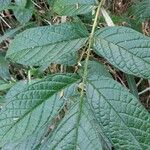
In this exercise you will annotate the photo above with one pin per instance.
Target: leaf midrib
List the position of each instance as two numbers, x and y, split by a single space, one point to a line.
24 49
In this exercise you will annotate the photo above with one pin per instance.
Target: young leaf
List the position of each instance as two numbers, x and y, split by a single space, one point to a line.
23 15
73 7
95 68
23 11
35 105
49 44
125 121
125 48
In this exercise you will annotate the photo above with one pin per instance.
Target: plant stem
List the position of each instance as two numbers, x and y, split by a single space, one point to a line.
85 73
90 42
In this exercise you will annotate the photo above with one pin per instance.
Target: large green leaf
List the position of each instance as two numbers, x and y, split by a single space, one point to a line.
125 121
49 44
108 110
125 48
73 7
35 105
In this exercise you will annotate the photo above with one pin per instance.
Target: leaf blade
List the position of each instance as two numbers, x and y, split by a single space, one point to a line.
126 49
32 107
47 43
71 135
72 8
125 120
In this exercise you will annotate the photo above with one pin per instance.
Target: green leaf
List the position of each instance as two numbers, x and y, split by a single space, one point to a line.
49 44
125 48
36 138
21 3
34 106
141 10
95 68
30 143
4 4
23 11
73 7
125 121
76 131
10 33
23 15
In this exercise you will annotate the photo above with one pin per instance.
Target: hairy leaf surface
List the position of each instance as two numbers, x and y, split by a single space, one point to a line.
32 107
124 119
125 48
78 130
29 143
73 7
49 44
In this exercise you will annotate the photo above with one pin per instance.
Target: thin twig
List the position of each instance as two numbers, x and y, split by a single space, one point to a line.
144 91
90 42
5 22
139 82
